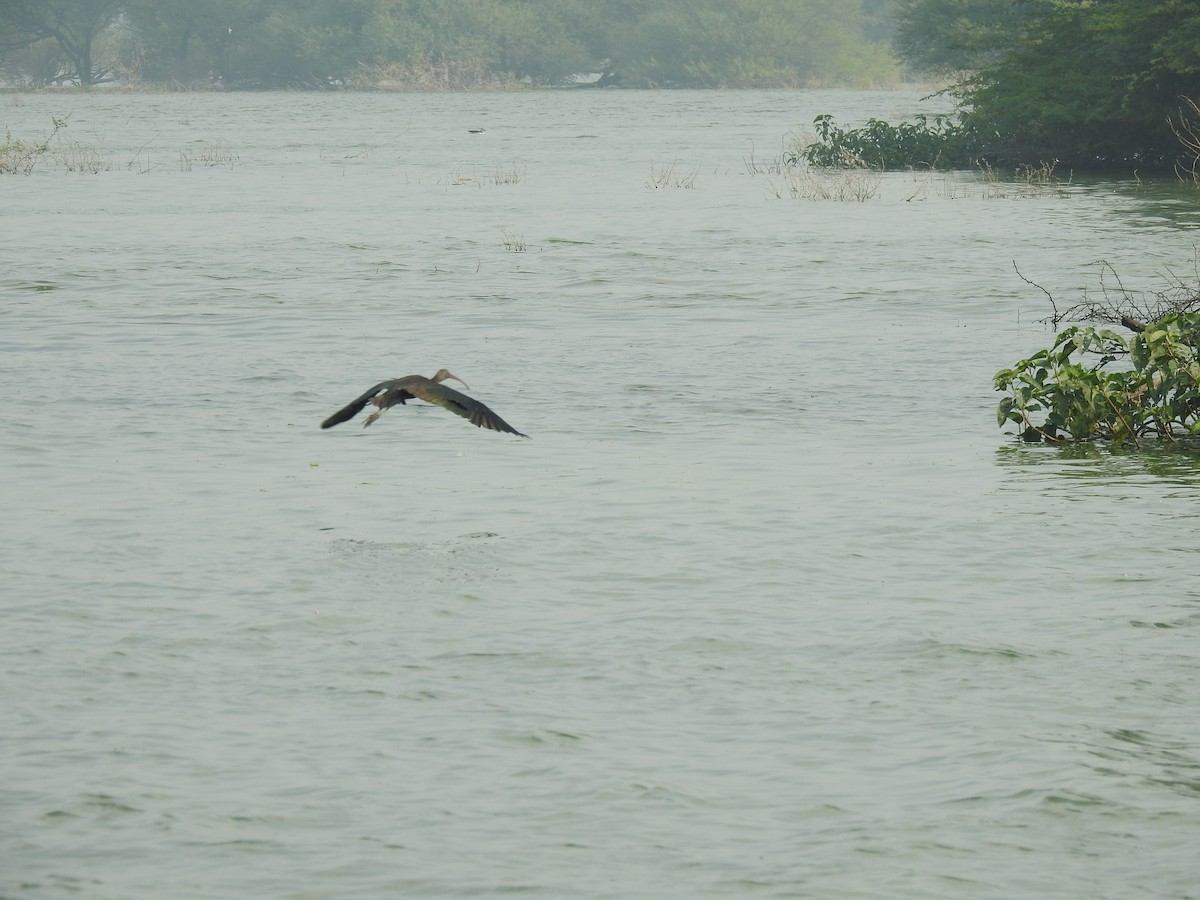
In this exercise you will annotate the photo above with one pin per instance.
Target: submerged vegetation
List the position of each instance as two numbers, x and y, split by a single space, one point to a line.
207 154
671 176
847 184
18 157
1095 383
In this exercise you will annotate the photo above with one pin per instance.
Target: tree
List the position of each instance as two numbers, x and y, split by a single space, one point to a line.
948 36
1089 83
1093 85
751 43
189 40
36 65
73 24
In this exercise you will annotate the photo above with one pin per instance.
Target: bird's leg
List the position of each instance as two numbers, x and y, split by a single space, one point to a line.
383 401
379 402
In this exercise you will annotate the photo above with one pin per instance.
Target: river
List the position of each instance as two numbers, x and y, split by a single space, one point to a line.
767 606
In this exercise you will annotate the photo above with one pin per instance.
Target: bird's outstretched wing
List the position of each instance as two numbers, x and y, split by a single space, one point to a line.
469 408
348 412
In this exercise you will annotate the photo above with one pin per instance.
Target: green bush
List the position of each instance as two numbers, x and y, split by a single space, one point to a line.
942 142
1056 396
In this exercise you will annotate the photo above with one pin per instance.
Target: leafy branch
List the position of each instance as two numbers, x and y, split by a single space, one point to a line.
1056 396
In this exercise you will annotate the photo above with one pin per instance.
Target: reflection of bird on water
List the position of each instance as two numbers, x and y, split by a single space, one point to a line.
431 390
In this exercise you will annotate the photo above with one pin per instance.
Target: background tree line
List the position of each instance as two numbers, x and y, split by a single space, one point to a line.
1085 82
321 43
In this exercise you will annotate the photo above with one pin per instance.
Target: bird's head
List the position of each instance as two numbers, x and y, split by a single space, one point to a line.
443 374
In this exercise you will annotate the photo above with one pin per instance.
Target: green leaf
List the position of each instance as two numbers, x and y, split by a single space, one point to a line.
1002 412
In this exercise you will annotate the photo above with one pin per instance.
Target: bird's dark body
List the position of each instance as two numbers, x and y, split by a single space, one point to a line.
417 387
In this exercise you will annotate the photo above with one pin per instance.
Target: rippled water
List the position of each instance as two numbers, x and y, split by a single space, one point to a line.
767 607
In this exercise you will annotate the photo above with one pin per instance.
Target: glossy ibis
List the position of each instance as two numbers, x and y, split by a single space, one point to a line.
431 390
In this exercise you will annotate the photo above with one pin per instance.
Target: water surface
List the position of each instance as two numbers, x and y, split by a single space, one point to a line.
767 607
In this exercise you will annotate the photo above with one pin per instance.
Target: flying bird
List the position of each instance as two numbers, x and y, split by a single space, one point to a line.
431 390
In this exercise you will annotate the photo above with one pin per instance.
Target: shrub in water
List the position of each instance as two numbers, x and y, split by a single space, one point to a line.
942 142
1055 395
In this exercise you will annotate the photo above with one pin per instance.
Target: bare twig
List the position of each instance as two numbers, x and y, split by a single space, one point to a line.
1120 306
1056 318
